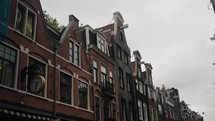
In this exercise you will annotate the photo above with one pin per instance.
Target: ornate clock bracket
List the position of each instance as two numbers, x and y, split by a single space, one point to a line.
30 71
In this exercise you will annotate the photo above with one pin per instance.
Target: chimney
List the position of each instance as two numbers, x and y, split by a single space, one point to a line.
73 18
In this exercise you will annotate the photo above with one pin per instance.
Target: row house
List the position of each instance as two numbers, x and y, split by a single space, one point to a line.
97 44
152 104
121 55
140 95
43 73
171 104
188 114
160 104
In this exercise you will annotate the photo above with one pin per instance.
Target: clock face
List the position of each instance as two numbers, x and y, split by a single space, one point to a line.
37 84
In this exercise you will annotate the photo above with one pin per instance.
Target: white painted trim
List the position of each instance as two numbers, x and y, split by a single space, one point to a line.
26 14
46 74
72 86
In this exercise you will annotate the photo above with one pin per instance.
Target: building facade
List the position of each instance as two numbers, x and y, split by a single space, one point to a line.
140 95
98 48
43 74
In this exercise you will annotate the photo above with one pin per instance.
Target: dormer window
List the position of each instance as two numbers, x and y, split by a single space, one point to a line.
101 43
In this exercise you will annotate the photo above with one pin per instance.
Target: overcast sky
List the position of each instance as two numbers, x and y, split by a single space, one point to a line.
172 35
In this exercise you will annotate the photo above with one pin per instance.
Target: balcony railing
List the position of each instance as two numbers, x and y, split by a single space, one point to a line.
107 89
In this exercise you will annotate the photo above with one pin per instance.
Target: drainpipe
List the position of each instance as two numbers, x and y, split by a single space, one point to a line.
54 82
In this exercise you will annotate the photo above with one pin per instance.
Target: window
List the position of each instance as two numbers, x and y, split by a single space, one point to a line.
83 94
123 110
7 66
74 53
120 72
103 75
65 88
121 36
113 110
140 87
144 89
95 71
111 77
106 110
137 84
119 55
42 69
125 58
128 82
139 72
140 110
97 111
25 21
131 112
145 112
101 44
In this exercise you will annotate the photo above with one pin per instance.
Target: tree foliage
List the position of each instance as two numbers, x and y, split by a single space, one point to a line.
52 21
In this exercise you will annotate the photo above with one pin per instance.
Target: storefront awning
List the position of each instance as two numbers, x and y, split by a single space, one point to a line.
24 115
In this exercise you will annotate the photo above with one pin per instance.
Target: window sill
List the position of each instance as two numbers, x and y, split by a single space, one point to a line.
76 107
33 40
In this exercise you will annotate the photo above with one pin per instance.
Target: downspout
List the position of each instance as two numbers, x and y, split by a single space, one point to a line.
54 82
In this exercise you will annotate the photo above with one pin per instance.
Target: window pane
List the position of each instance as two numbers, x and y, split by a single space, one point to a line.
76 55
95 71
83 94
7 73
65 88
20 18
111 77
7 66
30 25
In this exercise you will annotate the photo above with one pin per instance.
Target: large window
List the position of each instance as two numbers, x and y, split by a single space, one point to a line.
131 112
42 70
103 75
128 82
106 110
124 118
145 112
140 110
83 94
101 44
120 73
65 88
111 77
74 53
126 58
140 87
119 54
25 21
97 110
7 65
95 71
113 107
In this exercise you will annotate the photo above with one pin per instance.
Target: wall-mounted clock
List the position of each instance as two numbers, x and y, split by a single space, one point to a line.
37 84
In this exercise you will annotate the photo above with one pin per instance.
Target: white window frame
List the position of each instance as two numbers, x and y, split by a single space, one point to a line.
140 87
145 111
95 66
88 100
101 43
72 87
45 76
27 9
103 73
72 55
15 80
140 109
